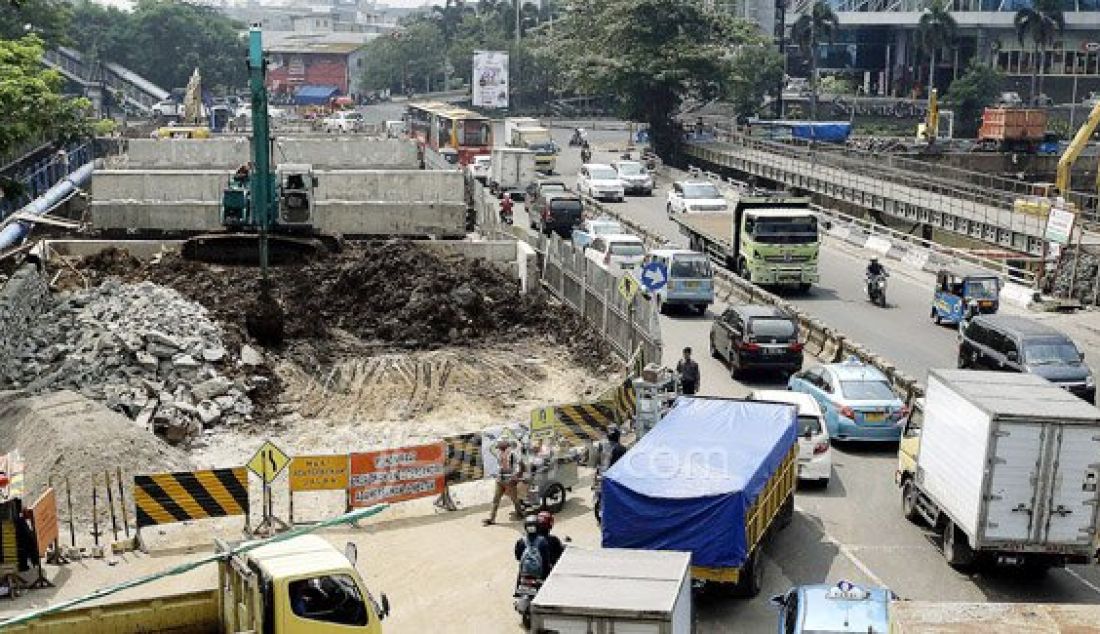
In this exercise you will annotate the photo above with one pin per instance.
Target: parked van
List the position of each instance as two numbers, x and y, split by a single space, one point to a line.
690 279
1017 344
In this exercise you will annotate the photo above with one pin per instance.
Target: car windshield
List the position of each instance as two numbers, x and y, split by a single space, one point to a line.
690 267
982 289
808 425
602 174
1052 352
772 327
784 230
606 228
543 146
867 390
552 187
631 169
354 115
701 190
573 206
627 248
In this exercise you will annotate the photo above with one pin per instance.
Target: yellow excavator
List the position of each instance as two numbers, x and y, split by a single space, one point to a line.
932 129
1047 193
192 125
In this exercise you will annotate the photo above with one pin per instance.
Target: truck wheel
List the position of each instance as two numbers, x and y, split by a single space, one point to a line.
909 502
956 548
714 349
964 362
554 498
752 576
1037 568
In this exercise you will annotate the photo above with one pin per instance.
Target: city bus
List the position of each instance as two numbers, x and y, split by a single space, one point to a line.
447 134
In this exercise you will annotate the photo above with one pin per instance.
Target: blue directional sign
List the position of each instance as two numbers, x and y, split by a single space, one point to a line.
654 276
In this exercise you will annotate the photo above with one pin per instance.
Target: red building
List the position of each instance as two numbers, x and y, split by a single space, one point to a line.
301 60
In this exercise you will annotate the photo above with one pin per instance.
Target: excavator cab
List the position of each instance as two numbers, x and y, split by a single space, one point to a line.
295 193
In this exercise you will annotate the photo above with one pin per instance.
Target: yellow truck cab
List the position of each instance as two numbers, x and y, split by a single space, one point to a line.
909 447
301 585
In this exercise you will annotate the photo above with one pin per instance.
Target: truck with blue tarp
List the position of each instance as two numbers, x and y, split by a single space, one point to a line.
714 478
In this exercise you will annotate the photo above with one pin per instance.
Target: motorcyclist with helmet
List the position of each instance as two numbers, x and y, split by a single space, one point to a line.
875 268
586 153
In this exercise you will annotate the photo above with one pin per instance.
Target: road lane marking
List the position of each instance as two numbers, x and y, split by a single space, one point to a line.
847 552
1088 584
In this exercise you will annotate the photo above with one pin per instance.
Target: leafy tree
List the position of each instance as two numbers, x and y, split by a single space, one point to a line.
651 54
48 19
31 105
807 32
754 72
410 58
974 90
935 30
1042 22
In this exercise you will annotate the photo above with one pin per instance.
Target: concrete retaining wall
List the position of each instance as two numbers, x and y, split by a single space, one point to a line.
349 202
228 152
23 299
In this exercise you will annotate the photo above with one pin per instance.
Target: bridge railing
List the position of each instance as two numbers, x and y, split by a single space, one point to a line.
39 175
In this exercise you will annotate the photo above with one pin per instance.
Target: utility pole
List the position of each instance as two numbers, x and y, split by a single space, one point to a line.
780 37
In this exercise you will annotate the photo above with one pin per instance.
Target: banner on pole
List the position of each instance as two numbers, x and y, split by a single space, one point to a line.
490 85
394 475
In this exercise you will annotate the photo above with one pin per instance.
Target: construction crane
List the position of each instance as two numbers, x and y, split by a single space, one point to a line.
1076 146
267 212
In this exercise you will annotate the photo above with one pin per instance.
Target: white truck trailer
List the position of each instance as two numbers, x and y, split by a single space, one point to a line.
511 170
1006 465
616 590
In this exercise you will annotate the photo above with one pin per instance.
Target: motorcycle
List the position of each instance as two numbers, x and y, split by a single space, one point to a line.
526 589
506 214
876 288
577 139
586 155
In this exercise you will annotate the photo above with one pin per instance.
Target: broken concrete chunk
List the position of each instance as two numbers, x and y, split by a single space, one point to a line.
211 388
250 356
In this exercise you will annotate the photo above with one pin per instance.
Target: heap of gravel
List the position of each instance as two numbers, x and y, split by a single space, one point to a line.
142 350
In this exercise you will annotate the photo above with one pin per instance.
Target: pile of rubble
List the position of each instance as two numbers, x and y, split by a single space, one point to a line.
142 350
1084 278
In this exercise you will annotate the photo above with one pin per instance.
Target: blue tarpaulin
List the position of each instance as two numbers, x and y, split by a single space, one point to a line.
824 131
314 95
689 483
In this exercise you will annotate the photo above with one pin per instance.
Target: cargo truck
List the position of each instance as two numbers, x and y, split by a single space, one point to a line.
715 477
1005 465
301 585
616 590
511 170
769 240
1012 129
526 133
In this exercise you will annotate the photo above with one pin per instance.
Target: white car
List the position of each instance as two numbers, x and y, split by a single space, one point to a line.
592 229
600 181
480 167
692 196
635 177
167 108
815 453
616 253
343 121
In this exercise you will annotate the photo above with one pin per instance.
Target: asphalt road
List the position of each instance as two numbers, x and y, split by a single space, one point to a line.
853 529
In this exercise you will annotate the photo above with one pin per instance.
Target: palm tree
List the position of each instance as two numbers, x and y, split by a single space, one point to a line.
807 32
937 29
1042 22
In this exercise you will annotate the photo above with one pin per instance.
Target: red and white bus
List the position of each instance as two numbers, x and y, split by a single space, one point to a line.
448 135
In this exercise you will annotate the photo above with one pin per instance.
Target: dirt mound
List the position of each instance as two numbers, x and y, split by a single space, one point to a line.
111 261
64 434
392 294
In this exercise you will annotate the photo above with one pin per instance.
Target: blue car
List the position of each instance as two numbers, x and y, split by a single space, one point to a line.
825 609
856 399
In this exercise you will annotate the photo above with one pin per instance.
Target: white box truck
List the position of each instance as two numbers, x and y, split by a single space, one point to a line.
510 171
616 590
1006 465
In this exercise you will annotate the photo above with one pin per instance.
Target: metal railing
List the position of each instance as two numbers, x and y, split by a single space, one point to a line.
38 176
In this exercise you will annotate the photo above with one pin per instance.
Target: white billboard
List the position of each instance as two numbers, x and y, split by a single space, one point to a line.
490 88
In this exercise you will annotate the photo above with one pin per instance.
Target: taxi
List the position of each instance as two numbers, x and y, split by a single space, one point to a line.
834 609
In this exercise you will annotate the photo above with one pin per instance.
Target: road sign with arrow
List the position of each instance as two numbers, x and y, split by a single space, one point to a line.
654 276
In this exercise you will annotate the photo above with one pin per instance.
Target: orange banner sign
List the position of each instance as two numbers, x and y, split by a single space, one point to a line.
44 519
393 475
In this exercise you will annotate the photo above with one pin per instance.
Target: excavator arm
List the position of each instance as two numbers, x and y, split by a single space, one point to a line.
1076 146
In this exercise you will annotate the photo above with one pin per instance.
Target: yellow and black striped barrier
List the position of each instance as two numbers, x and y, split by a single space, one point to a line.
588 421
165 498
463 461
621 400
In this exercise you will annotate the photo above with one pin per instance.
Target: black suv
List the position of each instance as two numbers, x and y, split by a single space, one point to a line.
1018 344
558 213
538 190
756 337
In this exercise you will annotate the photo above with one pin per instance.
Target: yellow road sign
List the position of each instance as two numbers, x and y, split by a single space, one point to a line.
628 287
268 462
543 423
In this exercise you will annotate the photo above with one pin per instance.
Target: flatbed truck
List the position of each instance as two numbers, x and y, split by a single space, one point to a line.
768 240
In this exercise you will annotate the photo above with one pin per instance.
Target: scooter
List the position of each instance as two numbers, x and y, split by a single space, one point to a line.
586 155
876 288
506 214
526 589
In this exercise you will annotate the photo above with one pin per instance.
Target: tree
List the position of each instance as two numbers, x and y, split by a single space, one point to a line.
754 72
31 105
410 58
48 19
935 30
968 95
650 54
809 30
1042 22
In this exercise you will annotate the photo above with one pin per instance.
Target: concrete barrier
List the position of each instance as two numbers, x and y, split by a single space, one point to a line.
1017 294
229 152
